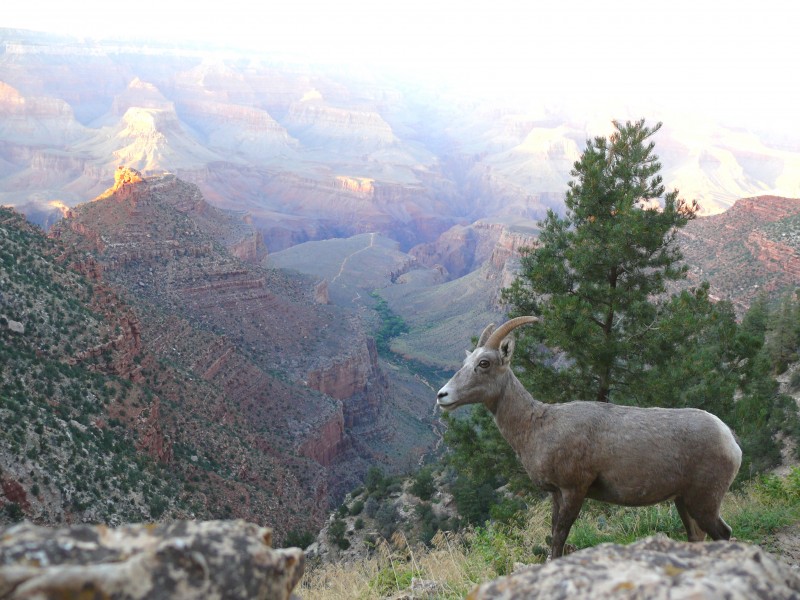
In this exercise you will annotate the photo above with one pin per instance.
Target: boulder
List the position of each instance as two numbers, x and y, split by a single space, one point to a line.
184 559
652 568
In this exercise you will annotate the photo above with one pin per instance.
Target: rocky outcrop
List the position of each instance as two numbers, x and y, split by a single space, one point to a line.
152 439
315 120
250 248
33 120
462 249
652 568
328 441
355 379
321 293
342 377
119 354
454 250
508 246
185 559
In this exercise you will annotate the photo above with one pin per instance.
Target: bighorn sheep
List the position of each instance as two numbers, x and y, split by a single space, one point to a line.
619 454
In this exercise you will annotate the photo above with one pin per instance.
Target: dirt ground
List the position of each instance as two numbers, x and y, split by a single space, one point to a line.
787 545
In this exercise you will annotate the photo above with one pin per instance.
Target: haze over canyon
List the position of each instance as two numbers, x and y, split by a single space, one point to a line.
313 152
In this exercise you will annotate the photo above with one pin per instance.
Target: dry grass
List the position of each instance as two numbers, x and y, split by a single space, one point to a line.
456 563
394 567
453 565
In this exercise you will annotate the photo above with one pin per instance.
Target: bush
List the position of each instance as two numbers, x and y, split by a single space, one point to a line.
375 480
473 500
371 507
423 486
794 381
336 533
387 519
343 543
356 508
298 539
14 512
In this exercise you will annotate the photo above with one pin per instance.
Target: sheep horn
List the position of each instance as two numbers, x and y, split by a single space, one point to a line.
501 332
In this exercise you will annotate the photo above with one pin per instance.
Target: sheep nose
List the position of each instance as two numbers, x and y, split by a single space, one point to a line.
441 394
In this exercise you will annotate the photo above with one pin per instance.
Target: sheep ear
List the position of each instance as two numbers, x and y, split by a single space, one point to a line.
507 350
485 335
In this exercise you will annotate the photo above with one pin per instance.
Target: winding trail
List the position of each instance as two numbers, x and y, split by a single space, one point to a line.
348 257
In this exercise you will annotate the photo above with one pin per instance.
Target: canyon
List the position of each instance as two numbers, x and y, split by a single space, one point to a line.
261 214
255 390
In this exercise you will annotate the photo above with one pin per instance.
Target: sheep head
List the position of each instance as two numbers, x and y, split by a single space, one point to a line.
482 376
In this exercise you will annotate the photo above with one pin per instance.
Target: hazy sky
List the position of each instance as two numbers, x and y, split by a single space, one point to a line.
737 61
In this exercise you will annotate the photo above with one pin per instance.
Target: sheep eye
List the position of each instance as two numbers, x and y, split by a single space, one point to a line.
483 364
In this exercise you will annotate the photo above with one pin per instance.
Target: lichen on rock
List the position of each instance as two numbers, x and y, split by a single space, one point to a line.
184 559
653 568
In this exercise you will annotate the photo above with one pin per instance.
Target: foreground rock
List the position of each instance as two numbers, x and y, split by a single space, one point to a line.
185 559
653 568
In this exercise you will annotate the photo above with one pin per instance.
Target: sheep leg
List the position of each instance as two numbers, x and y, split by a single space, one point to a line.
705 511
568 509
556 496
716 528
693 531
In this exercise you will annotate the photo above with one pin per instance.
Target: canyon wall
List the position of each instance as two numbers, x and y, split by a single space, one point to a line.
291 373
752 248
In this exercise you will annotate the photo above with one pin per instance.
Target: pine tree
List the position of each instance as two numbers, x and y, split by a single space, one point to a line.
596 271
784 334
609 330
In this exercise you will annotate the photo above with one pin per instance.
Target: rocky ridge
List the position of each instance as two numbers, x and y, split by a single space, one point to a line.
290 378
76 414
752 248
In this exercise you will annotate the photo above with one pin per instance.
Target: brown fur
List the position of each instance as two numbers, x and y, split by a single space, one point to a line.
619 454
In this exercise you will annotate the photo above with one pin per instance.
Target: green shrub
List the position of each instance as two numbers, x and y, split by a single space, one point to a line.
375 479
387 519
336 532
371 506
14 512
422 485
343 543
298 539
794 381
356 508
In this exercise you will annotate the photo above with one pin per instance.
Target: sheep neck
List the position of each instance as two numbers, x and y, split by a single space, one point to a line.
512 409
